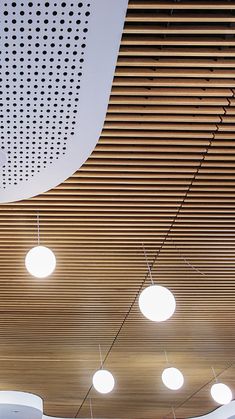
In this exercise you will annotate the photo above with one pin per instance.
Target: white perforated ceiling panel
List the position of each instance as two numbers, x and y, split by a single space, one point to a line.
57 61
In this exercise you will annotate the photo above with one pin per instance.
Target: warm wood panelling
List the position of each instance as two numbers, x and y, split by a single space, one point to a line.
163 174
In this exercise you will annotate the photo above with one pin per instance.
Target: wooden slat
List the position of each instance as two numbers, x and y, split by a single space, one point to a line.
170 62
152 17
189 41
178 30
185 5
146 51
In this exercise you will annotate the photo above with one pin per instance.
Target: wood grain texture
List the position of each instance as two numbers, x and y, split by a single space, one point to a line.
163 173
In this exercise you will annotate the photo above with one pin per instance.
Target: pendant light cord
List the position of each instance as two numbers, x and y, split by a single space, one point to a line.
186 261
166 357
91 410
38 228
101 359
148 265
214 374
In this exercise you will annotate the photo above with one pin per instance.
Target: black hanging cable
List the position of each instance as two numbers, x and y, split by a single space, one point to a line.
159 250
192 181
115 339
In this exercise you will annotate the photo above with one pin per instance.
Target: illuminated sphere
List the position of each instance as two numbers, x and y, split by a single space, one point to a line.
40 261
103 381
172 378
221 393
157 303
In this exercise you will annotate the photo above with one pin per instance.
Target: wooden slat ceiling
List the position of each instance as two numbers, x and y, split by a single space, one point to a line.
163 174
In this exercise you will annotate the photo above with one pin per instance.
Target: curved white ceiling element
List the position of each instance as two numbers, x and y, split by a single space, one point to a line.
21 405
30 406
223 412
57 63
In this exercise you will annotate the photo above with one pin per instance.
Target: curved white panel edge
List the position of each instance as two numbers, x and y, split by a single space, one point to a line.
25 405
21 398
223 412
103 41
30 406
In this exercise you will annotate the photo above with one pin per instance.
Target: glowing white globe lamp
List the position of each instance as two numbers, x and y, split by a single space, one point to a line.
40 261
103 381
221 393
157 303
172 378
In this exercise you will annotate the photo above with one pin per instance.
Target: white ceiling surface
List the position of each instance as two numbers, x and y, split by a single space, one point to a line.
20 405
57 63
222 412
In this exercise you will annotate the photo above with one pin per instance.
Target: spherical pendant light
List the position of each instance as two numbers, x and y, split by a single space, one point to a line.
40 261
172 378
157 303
103 381
221 393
